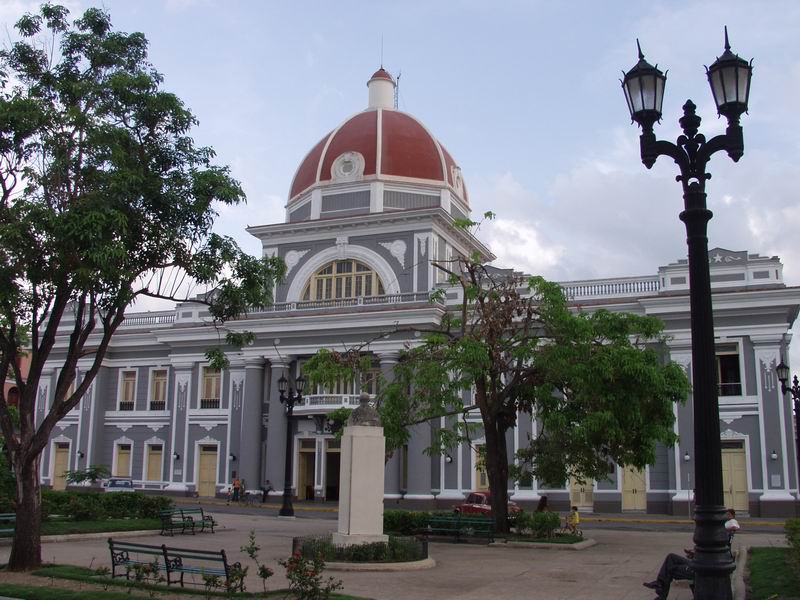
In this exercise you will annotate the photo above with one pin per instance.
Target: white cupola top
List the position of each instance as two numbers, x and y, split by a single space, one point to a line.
381 90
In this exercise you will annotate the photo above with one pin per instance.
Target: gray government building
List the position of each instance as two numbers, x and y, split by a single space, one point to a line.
370 206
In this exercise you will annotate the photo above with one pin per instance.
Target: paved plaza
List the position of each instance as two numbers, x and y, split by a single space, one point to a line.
614 568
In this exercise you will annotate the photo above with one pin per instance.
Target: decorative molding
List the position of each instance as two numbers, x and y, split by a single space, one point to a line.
292 258
41 401
124 428
155 440
343 250
208 427
730 434
237 384
769 359
341 246
183 388
348 166
423 246
684 360
397 249
155 427
208 440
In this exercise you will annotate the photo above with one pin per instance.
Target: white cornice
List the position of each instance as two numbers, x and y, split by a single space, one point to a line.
308 324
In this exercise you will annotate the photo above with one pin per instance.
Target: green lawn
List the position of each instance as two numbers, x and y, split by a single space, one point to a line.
64 527
44 593
770 575
85 575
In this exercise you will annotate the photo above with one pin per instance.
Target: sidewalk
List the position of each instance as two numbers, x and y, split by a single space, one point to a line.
614 569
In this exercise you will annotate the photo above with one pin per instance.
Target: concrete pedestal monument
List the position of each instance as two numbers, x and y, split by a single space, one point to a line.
361 478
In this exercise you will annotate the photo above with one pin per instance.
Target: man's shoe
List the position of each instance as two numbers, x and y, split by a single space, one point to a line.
653 585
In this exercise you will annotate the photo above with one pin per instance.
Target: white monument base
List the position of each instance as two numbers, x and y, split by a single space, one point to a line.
361 486
344 539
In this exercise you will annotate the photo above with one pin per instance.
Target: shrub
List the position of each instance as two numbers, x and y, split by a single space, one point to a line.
793 537
407 522
538 524
397 549
305 577
94 505
85 507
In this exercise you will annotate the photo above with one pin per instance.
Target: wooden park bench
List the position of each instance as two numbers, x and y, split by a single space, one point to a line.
142 555
173 519
177 559
460 526
200 518
175 562
5 519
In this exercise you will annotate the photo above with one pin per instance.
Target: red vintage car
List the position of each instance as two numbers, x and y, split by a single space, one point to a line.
481 503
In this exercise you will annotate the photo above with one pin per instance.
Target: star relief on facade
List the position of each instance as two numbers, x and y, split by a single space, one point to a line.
397 249
292 258
721 258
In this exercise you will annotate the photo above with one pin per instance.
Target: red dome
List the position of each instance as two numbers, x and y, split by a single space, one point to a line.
405 149
381 74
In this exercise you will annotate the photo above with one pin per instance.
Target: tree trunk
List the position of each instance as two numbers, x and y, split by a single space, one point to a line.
497 470
26 552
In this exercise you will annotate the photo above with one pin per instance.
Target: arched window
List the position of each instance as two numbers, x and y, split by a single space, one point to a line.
343 279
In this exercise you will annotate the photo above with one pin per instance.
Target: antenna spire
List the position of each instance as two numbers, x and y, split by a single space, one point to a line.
727 44
639 48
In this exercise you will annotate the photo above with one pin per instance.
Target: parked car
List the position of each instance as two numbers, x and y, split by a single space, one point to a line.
119 484
481 503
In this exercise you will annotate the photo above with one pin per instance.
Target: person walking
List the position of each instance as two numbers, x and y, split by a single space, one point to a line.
237 488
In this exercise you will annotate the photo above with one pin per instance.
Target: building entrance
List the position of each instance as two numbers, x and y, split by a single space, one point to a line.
332 466
207 471
306 470
734 476
582 494
60 466
634 493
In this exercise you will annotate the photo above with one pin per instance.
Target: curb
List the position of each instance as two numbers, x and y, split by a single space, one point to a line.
256 505
739 587
77 537
417 565
587 543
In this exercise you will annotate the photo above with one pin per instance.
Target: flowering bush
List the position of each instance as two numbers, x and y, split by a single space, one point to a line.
305 577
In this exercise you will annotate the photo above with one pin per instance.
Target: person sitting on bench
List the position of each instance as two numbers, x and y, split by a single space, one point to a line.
680 567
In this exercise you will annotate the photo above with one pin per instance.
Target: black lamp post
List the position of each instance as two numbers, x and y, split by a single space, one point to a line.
289 399
783 377
729 78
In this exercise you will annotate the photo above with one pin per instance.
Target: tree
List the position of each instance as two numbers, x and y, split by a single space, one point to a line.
105 199
597 382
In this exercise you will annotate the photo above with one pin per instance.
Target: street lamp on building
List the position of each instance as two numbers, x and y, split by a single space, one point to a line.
289 397
783 376
729 78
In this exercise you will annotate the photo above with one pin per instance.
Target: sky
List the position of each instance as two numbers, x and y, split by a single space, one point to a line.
525 96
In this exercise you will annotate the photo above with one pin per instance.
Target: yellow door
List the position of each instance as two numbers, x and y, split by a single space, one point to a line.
60 466
634 490
123 461
582 494
154 454
734 478
481 477
207 471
